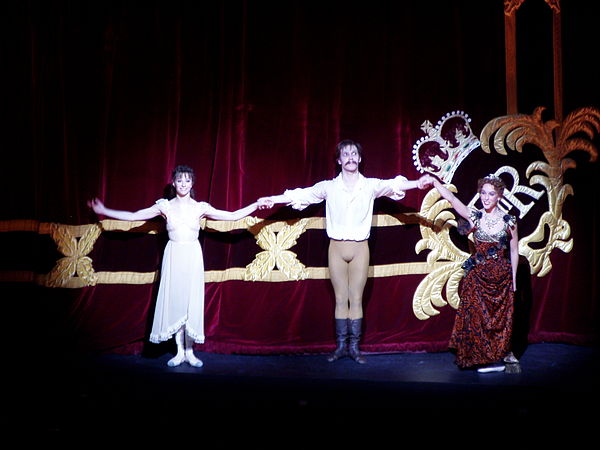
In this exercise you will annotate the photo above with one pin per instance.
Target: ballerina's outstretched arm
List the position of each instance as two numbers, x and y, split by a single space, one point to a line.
219 214
142 214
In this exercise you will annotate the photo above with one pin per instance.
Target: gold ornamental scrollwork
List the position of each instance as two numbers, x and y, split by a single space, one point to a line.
277 262
511 6
75 261
556 140
436 237
276 240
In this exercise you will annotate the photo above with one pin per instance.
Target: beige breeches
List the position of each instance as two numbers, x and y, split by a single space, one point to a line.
348 270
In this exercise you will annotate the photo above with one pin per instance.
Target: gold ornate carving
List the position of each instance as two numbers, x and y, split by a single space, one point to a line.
276 253
436 237
556 139
75 261
554 5
511 6
253 224
226 226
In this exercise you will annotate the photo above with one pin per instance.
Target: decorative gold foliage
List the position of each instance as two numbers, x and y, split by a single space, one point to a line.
436 233
429 291
276 253
436 237
75 261
556 140
514 131
443 267
511 6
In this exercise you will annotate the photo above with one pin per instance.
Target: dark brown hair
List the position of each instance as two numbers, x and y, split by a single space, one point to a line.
347 143
177 172
495 181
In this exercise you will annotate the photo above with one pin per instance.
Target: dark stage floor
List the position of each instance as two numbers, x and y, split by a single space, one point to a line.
552 383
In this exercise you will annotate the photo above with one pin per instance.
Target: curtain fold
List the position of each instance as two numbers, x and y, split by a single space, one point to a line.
105 98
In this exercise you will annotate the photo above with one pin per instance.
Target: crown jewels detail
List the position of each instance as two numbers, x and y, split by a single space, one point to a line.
445 146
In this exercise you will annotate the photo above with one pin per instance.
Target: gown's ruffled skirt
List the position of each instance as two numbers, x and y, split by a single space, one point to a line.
180 298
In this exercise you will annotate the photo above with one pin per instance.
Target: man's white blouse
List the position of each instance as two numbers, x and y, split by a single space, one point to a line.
348 212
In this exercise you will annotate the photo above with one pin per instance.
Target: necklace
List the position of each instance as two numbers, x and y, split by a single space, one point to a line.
491 220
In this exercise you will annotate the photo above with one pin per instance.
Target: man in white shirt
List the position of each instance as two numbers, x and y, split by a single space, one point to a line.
348 216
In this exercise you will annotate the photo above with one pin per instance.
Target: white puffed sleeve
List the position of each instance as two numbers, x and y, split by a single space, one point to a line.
163 205
205 209
300 198
392 188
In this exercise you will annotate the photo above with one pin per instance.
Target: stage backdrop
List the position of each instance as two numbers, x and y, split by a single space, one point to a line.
105 98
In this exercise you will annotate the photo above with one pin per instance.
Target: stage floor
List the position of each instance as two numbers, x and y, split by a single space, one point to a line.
551 382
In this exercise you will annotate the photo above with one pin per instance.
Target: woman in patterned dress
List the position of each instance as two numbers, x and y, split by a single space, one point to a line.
482 329
180 302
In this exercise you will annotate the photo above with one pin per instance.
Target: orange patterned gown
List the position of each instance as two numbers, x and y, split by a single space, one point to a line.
483 325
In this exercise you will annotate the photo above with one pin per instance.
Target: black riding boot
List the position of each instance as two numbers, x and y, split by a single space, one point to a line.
355 326
341 338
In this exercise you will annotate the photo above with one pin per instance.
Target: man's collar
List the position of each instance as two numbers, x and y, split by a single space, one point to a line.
359 183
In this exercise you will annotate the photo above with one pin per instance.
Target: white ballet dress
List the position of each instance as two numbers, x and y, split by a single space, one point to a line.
180 298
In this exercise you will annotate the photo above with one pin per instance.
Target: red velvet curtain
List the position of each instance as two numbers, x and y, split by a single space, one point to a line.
104 98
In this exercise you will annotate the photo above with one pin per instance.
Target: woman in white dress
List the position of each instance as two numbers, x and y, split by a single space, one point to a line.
180 302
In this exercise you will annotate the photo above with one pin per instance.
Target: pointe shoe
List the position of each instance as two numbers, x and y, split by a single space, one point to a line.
176 360
193 361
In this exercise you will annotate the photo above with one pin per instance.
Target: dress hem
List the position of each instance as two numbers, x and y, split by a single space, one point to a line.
157 338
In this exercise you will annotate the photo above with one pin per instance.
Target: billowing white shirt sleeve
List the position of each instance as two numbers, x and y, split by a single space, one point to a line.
303 197
348 211
391 188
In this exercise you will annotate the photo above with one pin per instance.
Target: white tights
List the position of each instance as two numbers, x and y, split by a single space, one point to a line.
185 350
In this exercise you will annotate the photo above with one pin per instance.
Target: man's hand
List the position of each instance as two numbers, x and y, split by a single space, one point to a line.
425 181
265 203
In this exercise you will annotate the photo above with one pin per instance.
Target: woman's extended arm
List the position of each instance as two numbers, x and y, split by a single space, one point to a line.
462 209
218 214
142 214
